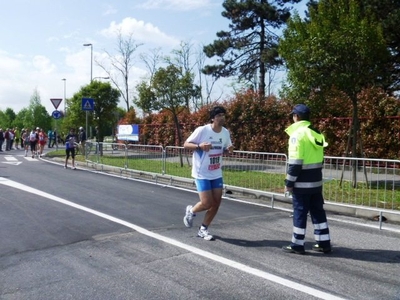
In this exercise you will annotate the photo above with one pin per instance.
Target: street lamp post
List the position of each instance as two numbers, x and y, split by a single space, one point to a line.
65 110
91 78
91 60
65 98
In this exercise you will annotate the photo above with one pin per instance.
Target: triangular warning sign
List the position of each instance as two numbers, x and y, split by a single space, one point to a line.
87 105
56 102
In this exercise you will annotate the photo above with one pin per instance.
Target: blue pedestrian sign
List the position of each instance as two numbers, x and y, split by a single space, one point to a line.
56 114
87 104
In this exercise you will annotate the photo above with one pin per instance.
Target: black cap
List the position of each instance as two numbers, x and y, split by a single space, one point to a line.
217 110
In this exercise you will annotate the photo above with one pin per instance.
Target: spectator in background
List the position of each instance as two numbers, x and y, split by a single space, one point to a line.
33 140
17 138
50 137
22 142
42 141
25 141
7 139
97 137
82 139
70 141
1 139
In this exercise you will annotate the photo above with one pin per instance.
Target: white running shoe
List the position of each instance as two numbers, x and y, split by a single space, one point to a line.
203 233
188 218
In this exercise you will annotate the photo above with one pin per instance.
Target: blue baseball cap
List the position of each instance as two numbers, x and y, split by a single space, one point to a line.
301 110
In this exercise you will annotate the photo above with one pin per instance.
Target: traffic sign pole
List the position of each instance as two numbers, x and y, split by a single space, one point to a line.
55 135
87 123
87 105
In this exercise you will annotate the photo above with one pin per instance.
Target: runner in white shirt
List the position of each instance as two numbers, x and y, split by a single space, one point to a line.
208 143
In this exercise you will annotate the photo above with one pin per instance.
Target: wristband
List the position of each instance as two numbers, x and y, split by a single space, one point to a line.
198 147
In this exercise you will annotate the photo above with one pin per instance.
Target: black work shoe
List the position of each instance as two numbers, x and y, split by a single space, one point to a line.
290 249
318 248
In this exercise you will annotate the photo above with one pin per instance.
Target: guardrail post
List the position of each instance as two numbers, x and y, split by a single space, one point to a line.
126 156
164 160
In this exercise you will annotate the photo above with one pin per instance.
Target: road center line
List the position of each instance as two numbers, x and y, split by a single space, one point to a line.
217 258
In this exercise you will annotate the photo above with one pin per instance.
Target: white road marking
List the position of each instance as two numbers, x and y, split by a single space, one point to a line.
29 158
228 262
10 158
15 163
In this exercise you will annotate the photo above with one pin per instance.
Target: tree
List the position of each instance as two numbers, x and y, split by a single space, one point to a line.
37 115
152 61
106 101
191 62
181 59
250 47
10 116
122 64
128 117
20 118
337 48
207 83
4 121
387 14
169 90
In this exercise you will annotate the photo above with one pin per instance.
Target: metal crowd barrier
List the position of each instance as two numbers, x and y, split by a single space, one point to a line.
374 183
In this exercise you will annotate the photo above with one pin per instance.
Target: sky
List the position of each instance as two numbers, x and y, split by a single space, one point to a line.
41 41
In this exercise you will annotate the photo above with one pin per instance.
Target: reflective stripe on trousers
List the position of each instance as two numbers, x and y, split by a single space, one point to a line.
313 203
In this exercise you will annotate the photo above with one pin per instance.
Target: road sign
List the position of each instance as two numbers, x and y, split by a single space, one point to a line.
56 102
56 114
128 132
87 104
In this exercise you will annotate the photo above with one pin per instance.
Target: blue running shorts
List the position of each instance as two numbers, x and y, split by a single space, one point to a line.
208 185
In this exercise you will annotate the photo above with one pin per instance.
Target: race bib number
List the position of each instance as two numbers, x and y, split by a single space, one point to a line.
215 162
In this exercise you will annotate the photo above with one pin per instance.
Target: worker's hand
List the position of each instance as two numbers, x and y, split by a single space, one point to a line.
288 189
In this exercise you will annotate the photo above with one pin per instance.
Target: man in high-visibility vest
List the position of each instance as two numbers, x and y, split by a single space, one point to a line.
304 182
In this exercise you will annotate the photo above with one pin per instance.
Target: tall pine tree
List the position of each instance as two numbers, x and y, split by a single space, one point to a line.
249 48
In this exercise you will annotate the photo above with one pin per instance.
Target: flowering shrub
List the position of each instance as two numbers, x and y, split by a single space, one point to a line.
258 124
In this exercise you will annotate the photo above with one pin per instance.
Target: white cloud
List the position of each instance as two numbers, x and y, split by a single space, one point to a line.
8 64
142 32
176 4
43 64
109 10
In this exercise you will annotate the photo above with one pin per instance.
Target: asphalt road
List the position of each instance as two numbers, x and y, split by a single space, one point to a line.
75 234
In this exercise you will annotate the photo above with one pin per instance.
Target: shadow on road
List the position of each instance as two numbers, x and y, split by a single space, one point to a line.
371 255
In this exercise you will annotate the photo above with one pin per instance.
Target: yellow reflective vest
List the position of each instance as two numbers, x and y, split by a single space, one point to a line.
306 157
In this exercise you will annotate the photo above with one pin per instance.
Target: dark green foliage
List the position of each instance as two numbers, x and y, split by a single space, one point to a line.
250 46
105 104
387 14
